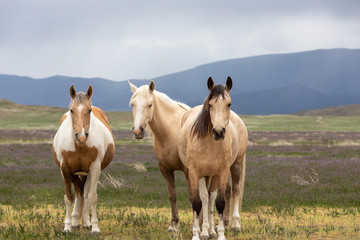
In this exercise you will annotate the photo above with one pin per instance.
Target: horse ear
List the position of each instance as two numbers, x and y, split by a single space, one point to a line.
72 92
210 84
89 92
228 84
151 86
132 87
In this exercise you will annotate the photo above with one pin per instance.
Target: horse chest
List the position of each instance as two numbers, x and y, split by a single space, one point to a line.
209 156
78 160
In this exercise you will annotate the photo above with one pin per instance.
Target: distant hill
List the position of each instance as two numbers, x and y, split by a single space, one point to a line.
267 84
348 110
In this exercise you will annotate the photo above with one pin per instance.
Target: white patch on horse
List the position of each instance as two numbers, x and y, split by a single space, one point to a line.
64 139
82 132
99 135
80 107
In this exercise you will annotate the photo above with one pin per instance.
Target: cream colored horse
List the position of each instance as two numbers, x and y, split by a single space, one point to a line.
163 116
82 147
213 142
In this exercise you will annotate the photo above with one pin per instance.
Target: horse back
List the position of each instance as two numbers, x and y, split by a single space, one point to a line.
192 112
241 132
100 114
62 119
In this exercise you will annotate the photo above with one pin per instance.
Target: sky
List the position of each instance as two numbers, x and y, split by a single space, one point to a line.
131 39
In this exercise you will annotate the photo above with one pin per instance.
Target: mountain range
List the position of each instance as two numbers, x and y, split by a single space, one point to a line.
266 84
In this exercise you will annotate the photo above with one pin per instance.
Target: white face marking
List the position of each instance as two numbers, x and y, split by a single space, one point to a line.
80 107
82 132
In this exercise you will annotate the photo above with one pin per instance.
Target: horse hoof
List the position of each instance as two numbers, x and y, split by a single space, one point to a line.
226 223
96 233
172 229
77 227
212 236
204 237
236 229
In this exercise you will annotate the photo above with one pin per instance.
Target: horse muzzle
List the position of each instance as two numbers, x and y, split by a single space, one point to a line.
139 134
219 135
81 137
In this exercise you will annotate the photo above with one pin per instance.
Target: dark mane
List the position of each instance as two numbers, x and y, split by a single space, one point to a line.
202 125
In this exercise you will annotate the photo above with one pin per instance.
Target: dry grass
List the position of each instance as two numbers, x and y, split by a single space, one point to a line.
151 223
140 167
116 182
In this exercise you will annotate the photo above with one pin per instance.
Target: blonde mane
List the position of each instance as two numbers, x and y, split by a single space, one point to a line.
167 98
143 91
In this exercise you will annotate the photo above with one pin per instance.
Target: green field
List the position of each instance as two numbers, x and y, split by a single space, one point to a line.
15 116
302 180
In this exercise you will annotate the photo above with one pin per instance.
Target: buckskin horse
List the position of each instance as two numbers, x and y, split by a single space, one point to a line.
213 143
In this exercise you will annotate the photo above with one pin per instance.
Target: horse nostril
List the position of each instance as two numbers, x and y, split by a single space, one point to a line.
219 135
214 131
86 135
141 129
77 136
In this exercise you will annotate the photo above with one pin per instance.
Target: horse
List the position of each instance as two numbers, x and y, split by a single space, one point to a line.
213 143
163 115
82 147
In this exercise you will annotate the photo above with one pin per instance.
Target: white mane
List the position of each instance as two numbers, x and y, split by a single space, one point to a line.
167 98
143 91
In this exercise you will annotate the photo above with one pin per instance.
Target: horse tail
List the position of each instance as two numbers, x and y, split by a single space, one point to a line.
79 183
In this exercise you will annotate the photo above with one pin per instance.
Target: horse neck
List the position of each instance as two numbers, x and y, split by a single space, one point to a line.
164 112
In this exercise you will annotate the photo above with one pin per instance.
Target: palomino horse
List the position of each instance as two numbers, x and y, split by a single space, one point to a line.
82 147
164 118
213 142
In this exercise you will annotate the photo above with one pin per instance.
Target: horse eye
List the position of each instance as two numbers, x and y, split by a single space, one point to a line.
90 111
210 105
71 111
229 105
150 105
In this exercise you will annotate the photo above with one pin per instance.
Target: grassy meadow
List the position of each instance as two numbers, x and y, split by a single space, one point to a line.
302 180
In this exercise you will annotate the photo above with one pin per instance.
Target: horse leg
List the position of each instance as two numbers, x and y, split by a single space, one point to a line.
220 204
213 193
68 199
204 196
169 177
75 223
238 180
227 206
85 205
196 204
93 178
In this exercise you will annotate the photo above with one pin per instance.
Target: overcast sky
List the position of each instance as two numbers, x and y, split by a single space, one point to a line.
120 40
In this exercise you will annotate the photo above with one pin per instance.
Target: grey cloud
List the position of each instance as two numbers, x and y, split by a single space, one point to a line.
126 39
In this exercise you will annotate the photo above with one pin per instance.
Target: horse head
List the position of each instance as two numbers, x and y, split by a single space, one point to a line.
142 105
218 105
80 112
